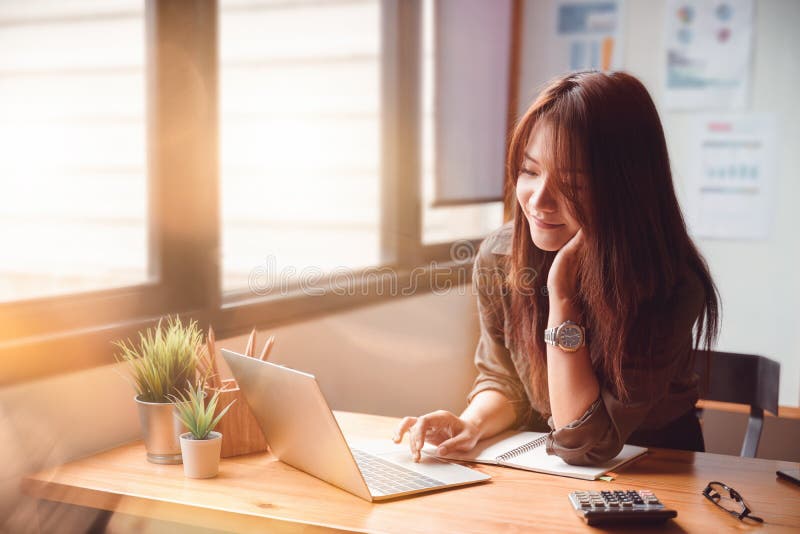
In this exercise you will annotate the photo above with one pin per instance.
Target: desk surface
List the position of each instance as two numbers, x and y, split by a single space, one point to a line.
254 493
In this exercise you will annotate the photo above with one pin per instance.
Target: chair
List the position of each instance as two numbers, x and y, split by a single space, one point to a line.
742 379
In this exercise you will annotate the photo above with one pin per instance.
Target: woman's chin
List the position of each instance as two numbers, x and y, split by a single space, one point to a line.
548 243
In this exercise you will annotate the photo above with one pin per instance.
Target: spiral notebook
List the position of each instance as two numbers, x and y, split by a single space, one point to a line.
526 450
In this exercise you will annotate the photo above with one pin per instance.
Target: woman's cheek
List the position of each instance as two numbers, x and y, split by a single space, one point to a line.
522 196
525 189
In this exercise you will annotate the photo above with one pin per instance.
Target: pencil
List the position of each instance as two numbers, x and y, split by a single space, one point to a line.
267 348
212 353
250 350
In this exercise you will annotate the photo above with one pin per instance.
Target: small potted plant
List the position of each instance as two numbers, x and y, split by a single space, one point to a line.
201 446
162 362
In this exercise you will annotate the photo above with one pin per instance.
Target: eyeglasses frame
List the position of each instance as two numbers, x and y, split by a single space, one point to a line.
735 495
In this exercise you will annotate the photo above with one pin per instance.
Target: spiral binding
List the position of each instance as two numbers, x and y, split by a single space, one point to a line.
513 453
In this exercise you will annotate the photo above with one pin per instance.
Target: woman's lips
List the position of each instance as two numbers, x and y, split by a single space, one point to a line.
543 225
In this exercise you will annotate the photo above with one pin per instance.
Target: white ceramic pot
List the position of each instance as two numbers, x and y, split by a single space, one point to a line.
201 456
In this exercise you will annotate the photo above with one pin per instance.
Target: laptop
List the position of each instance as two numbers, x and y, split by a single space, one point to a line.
302 432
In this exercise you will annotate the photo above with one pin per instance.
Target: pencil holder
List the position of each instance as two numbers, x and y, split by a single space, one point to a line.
239 428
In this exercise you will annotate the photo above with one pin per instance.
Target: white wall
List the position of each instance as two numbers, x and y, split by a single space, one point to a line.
405 356
756 278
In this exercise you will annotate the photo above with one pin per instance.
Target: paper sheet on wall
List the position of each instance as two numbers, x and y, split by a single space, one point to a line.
731 175
708 53
587 35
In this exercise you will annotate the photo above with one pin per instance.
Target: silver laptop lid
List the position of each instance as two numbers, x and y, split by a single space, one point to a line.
297 422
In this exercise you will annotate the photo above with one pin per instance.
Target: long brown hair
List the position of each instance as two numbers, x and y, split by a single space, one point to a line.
606 142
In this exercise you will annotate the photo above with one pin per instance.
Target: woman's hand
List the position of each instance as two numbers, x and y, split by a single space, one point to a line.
442 428
562 281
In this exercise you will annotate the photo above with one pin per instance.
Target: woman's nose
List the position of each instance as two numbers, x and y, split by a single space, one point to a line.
543 199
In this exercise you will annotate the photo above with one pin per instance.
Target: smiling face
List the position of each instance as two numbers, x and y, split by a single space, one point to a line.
546 208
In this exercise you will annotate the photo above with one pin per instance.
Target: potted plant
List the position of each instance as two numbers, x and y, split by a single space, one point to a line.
162 362
201 446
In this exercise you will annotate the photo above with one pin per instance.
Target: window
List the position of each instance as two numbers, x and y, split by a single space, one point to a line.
300 138
72 130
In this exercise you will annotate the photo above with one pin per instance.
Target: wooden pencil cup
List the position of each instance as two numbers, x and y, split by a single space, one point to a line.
239 428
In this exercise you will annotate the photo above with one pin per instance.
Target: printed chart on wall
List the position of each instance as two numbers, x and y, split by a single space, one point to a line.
708 53
588 35
731 175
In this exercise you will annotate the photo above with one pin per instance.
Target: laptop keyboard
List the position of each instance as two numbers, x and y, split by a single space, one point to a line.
387 478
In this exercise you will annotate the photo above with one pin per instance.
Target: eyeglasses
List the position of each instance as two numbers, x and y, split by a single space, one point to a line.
733 503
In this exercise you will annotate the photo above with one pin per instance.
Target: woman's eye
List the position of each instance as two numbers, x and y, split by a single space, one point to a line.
529 172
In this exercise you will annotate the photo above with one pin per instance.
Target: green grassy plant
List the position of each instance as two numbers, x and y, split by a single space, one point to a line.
195 413
164 359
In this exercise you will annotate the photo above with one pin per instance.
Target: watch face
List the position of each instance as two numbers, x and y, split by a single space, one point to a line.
570 337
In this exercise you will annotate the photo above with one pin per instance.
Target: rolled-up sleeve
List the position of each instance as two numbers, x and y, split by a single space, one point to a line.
600 433
492 358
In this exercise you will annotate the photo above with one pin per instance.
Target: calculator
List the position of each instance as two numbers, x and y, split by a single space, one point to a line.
629 506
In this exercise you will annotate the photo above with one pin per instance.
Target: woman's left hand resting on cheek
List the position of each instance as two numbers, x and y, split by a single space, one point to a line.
573 383
563 276
442 428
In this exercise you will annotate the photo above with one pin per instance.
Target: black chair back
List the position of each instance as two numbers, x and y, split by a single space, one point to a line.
742 379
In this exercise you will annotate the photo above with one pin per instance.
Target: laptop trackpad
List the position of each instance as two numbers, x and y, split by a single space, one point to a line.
400 454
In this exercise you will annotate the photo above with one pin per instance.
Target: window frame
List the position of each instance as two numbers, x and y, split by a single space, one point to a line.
51 335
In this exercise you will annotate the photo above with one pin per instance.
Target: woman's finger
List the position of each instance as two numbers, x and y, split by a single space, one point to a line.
438 435
433 421
436 423
416 436
462 442
575 242
405 424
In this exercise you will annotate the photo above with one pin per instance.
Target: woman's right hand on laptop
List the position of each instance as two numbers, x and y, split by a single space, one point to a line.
444 429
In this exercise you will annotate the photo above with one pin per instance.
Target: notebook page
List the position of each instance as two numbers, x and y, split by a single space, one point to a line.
538 460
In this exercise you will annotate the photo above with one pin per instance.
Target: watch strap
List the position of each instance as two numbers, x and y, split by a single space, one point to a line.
550 335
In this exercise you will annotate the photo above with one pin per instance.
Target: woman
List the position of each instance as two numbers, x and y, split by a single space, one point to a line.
603 352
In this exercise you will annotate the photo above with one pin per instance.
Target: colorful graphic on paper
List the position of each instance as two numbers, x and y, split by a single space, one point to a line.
591 34
708 53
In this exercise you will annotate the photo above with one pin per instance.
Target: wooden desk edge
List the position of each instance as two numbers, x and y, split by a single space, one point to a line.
172 511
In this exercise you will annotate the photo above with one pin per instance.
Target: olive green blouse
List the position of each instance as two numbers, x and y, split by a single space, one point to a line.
657 395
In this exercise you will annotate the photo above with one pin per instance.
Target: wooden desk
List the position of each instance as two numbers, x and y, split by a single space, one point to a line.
256 493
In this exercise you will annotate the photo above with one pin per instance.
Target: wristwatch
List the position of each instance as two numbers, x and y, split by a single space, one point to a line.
568 336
